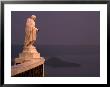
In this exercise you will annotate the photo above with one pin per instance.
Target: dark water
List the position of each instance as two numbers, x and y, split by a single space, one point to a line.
67 61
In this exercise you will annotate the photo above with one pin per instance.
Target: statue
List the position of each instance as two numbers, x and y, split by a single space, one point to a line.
29 51
29 60
30 31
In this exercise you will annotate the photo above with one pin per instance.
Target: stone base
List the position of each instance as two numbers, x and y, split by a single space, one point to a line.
29 68
28 54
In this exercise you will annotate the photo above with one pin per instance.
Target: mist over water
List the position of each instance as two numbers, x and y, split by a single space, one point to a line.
67 60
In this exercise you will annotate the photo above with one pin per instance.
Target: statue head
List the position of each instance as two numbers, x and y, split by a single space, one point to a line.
33 17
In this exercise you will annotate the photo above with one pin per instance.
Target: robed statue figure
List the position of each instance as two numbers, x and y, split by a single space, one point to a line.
29 52
30 31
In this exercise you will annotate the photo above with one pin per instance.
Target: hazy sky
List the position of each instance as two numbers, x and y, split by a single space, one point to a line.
59 27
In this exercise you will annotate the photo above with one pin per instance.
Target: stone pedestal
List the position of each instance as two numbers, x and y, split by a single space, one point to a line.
28 64
27 54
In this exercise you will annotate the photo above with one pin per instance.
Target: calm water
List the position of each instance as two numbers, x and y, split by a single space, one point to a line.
67 61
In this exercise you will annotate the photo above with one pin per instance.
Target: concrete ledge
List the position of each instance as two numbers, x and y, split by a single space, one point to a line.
16 69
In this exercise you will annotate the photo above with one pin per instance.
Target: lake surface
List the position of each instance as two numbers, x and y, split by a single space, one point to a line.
67 61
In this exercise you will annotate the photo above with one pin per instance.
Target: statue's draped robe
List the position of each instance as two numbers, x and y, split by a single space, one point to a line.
30 32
